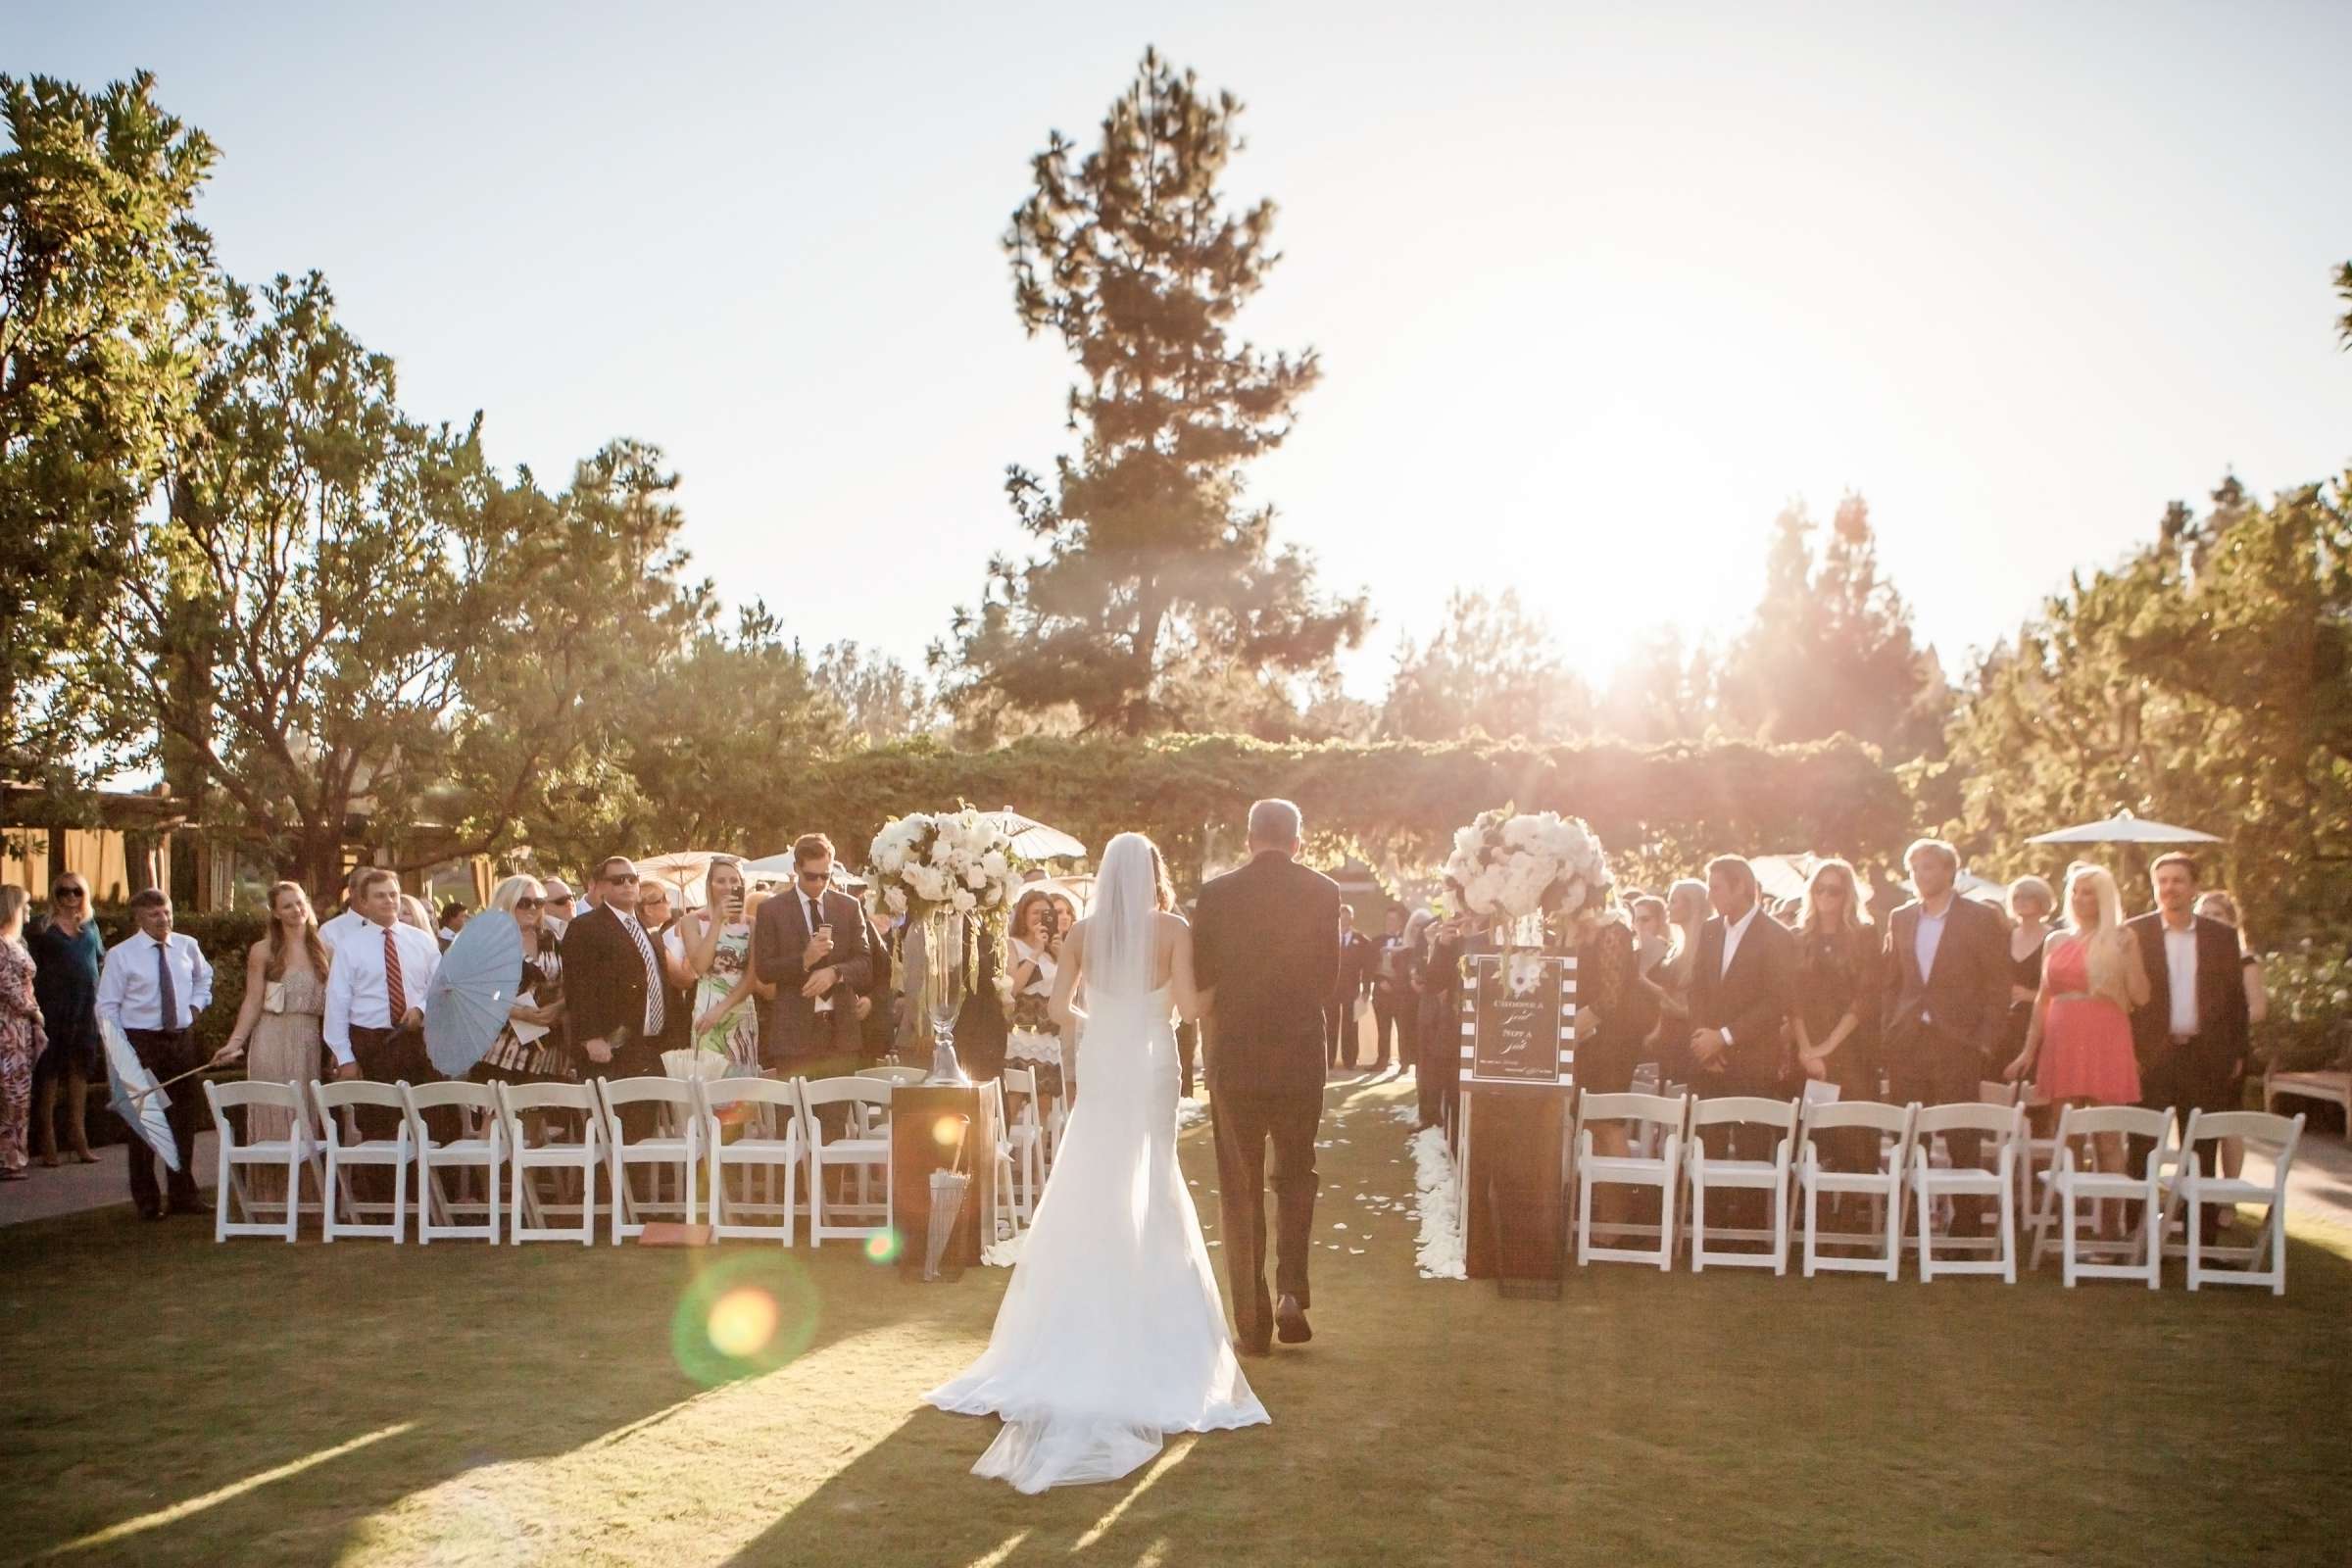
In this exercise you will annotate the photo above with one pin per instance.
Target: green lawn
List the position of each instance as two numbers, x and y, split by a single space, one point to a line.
166 1401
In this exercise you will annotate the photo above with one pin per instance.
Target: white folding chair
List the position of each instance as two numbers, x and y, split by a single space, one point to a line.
771 1141
527 1212
481 1145
1889 1130
349 1094
1024 1137
294 1153
1005 1215
1930 1184
862 1148
2071 1183
1770 1176
894 1076
2264 1262
679 1149
1663 1172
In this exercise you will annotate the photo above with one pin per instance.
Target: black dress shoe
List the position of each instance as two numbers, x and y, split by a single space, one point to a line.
154 1213
1289 1322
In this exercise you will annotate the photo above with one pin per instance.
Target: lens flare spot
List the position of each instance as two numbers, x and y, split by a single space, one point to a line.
947 1130
882 1246
743 1321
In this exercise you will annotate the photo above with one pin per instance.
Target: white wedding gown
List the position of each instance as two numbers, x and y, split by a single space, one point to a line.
1111 1332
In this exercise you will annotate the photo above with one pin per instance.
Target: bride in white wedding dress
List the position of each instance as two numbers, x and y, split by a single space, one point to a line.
1111 1332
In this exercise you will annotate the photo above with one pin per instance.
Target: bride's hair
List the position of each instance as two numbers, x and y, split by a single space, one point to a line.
1122 932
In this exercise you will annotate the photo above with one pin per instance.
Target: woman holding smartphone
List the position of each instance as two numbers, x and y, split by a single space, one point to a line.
710 951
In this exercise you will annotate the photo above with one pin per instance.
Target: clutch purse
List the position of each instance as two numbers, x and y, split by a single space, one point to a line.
273 996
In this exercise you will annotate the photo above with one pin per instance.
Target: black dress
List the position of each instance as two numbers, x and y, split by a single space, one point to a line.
65 982
2027 972
1836 972
1608 980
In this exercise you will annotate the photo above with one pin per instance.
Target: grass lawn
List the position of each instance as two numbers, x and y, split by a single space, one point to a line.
166 1400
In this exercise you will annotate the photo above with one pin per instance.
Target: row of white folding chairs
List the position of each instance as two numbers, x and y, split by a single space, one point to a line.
1909 1156
498 1142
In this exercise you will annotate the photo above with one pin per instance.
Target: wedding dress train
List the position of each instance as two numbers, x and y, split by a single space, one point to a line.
1111 1332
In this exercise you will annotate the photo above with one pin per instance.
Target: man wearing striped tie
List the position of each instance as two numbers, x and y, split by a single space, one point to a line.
375 997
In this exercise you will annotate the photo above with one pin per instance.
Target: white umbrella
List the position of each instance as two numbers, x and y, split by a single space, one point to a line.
1032 840
683 869
2124 828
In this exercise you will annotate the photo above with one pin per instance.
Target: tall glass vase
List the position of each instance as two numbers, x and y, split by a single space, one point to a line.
944 990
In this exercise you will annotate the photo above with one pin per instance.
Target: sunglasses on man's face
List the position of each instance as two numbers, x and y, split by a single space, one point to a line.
629 877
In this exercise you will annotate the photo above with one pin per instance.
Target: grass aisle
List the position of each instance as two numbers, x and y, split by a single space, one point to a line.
169 1401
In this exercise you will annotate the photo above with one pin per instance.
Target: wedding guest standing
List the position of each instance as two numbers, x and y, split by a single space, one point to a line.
1358 960
153 985
1837 1018
2191 1032
1396 1016
2079 1048
878 1001
810 946
414 914
1743 987
20 1036
709 954
64 954
347 920
1685 921
453 921
1652 938
612 984
1947 1001
376 985
529 1047
1034 954
2214 904
2030 905
281 1026
557 913
1441 1006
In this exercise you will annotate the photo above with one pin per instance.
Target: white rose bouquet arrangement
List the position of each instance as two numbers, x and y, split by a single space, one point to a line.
960 862
1512 864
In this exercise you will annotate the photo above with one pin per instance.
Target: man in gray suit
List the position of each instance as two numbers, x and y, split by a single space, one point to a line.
811 943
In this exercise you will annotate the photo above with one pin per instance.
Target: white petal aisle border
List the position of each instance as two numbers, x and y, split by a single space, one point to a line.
1439 1253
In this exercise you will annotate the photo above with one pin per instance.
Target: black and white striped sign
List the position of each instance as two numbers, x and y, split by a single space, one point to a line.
1520 1035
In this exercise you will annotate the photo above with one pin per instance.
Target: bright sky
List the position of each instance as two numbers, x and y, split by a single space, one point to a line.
1596 287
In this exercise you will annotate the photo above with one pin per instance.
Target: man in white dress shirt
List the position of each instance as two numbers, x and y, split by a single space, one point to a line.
153 987
376 998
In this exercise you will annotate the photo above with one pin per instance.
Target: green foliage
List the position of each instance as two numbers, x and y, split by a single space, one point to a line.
1492 669
2310 992
1392 801
2202 682
1830 649
103 275
1157 584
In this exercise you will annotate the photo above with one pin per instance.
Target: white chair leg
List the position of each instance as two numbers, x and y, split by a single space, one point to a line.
1584 1223
1926 1231
2196 1242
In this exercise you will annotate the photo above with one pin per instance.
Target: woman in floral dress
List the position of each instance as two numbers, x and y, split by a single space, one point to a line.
21 1037
710 952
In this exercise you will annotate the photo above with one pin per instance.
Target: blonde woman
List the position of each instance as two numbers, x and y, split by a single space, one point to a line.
2080 1038
1837 982
529 1047
281 1025
709 952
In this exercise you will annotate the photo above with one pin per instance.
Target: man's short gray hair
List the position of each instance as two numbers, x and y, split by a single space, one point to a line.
1275 826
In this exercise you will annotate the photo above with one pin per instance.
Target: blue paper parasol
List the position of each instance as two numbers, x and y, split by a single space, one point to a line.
466 1005
135 1094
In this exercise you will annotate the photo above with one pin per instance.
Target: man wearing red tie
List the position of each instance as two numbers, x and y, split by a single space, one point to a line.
375 997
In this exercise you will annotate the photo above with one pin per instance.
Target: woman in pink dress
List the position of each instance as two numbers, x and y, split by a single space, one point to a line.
2080 1036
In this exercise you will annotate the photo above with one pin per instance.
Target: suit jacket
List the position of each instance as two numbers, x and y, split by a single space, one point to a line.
1359 956
1753 1000
1266 940
604 980
791 1029
2221 1038
1966 996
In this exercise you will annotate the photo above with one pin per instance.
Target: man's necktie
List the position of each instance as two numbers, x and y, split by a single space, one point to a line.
396 997
654 1013
167 996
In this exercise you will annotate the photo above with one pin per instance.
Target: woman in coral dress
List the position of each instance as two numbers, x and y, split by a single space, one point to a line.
2078 1045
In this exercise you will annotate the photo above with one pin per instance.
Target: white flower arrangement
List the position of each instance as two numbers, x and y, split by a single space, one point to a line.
1511 864
958 860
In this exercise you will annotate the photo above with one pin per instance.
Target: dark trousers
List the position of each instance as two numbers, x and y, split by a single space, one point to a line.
1389 1020
2184 1076
1339 1030
1188 1055
1937 1068
1244 1122
1437 1066
391 1056
168 1052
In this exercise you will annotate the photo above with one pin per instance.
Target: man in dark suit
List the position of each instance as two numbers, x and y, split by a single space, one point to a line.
1742 986
2190 1037
812 943
1358 954
1267 957
617 1003
877 999
1947 961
